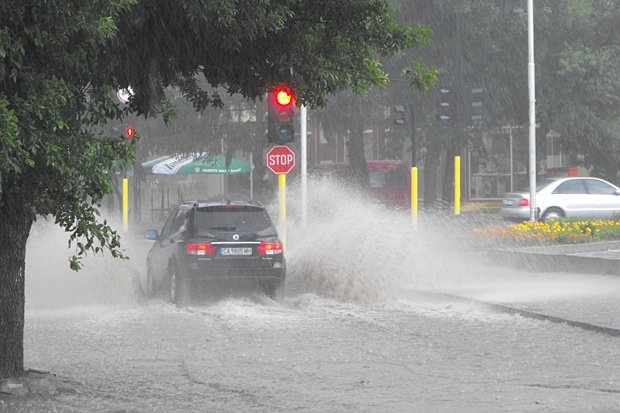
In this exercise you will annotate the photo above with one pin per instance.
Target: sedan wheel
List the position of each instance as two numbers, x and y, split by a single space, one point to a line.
552 213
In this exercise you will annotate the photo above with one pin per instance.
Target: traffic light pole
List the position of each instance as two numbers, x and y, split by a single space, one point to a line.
282 192
304 166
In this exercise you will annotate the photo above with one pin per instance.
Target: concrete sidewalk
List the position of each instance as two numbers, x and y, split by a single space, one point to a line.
590 271
590 258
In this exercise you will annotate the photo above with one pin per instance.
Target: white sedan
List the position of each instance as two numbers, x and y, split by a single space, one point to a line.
565 197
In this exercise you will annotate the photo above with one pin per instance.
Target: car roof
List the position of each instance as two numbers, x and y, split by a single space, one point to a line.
571 178
209 204
371 164
558 180
383 164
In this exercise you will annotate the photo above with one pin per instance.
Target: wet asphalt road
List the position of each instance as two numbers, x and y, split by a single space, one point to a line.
354 334
314 354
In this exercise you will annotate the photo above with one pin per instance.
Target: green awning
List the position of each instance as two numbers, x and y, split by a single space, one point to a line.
205 163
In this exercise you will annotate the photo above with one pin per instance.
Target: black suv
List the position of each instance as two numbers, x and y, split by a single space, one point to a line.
215 244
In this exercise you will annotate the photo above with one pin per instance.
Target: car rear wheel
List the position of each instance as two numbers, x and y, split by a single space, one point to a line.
553 213
275 291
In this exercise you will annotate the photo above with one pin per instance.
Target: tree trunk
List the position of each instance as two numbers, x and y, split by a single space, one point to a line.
15 226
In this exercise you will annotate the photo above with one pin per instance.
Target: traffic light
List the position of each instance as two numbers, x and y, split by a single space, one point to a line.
476 96
130 132
512 8
399 118
281 103
446 108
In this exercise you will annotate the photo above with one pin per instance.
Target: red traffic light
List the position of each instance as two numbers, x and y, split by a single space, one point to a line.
130 131
284 97
281 128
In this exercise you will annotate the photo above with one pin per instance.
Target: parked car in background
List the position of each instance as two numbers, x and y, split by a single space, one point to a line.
390 182
215 245
582 197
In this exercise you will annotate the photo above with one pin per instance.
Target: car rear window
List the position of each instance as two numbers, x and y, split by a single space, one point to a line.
231 218
544 183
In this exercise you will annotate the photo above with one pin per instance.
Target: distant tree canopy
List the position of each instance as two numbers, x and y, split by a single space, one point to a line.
474 45
578 80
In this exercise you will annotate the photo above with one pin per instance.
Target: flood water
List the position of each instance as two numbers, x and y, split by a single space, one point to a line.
358 330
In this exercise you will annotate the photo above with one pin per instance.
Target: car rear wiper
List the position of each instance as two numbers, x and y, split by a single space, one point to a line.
223 228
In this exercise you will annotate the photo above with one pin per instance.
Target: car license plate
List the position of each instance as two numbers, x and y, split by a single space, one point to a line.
235 251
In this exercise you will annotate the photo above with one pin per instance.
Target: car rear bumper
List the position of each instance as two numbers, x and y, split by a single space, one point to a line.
273 274
522 213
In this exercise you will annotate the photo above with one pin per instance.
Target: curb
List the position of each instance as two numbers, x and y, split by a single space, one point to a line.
507 309
554 319
564 258
35 381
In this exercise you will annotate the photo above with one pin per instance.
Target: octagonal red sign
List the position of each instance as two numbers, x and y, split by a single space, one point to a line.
280 159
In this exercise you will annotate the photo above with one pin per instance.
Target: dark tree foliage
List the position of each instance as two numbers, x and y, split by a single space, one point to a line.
61 62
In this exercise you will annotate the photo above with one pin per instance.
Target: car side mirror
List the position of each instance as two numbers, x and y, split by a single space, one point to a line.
617 192
151 234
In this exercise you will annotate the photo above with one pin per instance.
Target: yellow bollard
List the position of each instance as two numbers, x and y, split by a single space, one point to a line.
457 185
125 204
414 196
282 191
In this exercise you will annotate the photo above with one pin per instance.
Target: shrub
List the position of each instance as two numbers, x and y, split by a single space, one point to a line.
564 231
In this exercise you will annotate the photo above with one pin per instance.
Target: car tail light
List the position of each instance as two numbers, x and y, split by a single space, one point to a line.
524 202
269 248
201 248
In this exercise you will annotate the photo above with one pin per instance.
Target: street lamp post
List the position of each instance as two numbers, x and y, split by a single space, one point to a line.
532 99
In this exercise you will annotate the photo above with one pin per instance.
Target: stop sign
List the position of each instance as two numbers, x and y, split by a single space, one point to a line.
280 159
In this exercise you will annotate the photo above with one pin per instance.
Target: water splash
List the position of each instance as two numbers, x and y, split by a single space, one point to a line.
353 249
103 280
356 249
